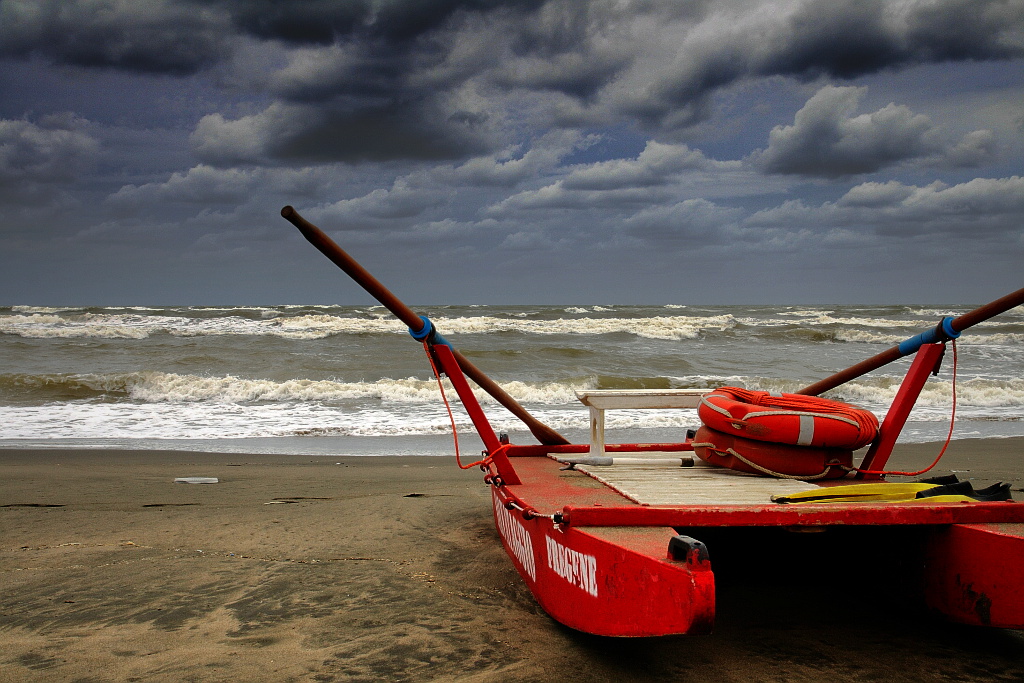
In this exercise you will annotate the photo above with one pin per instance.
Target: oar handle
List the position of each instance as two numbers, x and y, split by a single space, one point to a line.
948 329
990 310
364 279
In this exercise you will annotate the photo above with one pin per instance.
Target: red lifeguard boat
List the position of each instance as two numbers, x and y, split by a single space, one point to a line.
622 539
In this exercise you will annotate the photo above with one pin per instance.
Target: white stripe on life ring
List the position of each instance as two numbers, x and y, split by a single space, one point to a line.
806 435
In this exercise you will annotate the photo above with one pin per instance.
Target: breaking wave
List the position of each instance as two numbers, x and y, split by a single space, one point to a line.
162 387
320 326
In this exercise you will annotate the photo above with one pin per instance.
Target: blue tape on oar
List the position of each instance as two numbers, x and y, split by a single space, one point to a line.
942 332
426 331
947 327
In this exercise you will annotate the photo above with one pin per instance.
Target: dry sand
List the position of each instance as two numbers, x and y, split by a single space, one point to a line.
295 568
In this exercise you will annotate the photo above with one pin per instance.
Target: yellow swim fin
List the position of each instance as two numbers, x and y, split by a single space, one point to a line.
851 493
901 492
952 498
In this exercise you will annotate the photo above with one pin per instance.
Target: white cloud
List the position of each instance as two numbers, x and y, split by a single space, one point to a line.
982 204
531 241
696 219
828 140
199 185
975 149
506 170
57 149
993 206
392 207
876 194
658 174
207 187
219 141
658 164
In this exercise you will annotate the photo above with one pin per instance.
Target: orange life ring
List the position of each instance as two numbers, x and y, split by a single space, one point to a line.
787 418
772 459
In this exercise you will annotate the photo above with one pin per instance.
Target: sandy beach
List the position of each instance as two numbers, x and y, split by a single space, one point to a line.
297 568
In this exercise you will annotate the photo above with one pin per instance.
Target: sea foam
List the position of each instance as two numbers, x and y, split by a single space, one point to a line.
107 326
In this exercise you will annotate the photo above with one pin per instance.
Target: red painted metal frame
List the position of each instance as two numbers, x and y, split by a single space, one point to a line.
848 514
546 489
450 365
926 363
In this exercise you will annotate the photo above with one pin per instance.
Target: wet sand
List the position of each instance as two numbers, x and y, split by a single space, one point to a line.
296 568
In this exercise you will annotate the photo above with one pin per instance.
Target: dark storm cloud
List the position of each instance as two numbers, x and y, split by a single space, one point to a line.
326 21
41 160
966 30
584 133
812 39
138 36
850 39
290 133
383 87
472 69
446 79
294 21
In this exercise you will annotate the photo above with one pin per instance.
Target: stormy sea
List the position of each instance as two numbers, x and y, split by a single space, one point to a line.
347 379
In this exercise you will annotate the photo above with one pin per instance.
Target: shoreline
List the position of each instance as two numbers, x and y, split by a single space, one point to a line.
999 457
366 568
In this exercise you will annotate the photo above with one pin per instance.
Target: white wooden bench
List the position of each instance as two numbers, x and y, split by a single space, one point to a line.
631 399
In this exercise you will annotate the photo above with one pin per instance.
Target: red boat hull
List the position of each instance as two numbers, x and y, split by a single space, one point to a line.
602 564
974 574
609 581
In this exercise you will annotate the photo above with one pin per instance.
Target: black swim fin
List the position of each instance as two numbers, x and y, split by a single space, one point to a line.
941 480
960 488
896 492
995 492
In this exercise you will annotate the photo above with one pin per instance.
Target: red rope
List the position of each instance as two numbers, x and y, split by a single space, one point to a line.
451 416
949 436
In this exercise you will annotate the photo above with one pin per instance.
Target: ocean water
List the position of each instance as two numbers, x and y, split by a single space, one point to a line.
349 380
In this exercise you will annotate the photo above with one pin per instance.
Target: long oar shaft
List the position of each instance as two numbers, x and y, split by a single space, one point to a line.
364 279
353 269
958 325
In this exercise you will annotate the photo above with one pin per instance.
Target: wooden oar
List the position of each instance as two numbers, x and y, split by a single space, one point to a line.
938 334
546 435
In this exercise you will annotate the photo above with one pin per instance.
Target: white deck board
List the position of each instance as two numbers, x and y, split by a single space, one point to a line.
641 399
698 485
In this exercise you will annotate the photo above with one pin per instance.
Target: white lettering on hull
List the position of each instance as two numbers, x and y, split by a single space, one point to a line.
516 538
578 569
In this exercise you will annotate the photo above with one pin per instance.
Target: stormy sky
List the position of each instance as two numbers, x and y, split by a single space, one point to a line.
512 151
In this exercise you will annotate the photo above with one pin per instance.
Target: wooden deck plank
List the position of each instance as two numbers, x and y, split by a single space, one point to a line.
699 485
